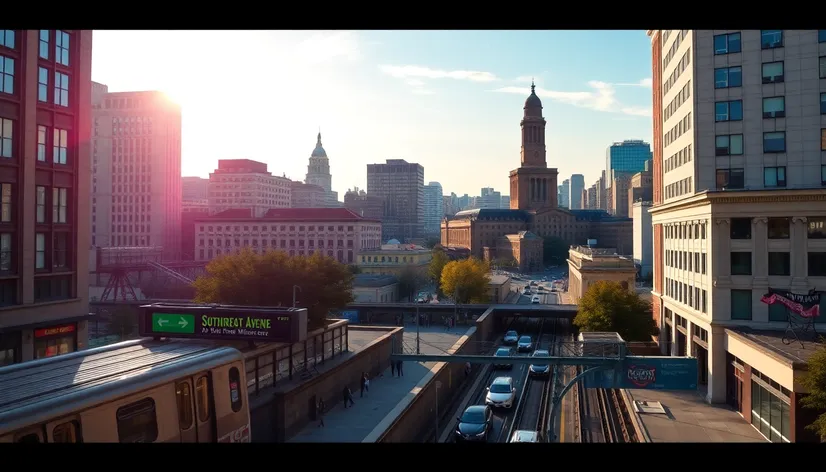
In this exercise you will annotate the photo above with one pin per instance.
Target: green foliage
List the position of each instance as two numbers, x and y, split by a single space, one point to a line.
815 382
555 250
437 264
466 280
606 306
505 263
410 281
432 242
354 269
247 278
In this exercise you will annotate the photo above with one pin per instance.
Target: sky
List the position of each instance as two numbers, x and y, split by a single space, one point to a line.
448 100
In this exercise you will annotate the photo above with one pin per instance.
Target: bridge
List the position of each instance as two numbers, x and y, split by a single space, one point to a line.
532 310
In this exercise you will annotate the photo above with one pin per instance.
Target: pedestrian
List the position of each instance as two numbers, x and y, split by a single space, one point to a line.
392 368
400 369
363 383
467 369
348 396
367 383
320 411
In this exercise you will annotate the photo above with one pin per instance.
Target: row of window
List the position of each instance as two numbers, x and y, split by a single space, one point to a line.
773 177
59 203
779 263
773 107
46 289
338 255
681 187
283 243
51 147
686 260
683 156
769 39
772 73
54 252
685 231
684 293
777 228
682 127
281 228
742 306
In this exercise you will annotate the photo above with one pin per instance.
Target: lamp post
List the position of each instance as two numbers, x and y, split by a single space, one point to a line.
299 289
418 322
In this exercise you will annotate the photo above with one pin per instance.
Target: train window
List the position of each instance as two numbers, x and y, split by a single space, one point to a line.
66 433
137 422
183 392
28 438
235 389
202 399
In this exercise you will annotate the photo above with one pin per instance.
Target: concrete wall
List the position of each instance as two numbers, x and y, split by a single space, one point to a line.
283 413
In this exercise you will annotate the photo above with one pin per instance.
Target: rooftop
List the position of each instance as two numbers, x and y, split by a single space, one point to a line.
498 279
771 341
492 214
292 214
373 280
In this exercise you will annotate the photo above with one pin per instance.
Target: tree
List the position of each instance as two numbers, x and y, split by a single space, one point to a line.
432 242
555 250
437 264
606 306
466 280
354 269
410 281
815 382
268 279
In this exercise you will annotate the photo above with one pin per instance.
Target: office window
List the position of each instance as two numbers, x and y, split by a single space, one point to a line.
740 228
780 263
741 263
822 139
60 250
774 107
729 145
7 38
770 39
778 312
817 265
774 141
816 227
822 67
728 111
61 47
44 44
779 228
6 203
773 72
823 103
61 89
821 36
726 43
730 178
741 304
6 136
40 251
42 84
59 204
40 204
728 77
6 74
5 252
774 176
59 146
41 143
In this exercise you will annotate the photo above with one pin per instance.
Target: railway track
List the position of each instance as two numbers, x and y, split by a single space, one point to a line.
602 416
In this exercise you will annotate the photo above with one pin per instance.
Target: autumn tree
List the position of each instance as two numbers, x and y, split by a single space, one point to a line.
466 280
247 278
814 381
437 264
354 269
606 306
555 250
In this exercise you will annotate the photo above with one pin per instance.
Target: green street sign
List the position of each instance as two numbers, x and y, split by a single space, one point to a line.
169 323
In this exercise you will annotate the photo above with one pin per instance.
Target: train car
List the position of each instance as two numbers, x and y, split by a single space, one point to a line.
135 391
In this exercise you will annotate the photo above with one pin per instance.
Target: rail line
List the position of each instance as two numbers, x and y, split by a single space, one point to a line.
602 416
533 389
513 418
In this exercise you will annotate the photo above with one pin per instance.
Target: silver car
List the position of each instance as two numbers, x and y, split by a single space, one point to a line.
510 337
524 344
501 393
540 370
525 436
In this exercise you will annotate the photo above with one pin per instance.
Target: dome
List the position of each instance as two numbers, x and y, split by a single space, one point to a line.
319 150
393 241
533 101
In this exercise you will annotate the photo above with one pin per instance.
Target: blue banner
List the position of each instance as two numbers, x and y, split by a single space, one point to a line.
644 372
350 315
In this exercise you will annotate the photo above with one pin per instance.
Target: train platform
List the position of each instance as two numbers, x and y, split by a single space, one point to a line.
684 416
373 413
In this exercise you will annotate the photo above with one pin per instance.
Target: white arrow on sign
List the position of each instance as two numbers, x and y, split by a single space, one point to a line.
162 321
183 323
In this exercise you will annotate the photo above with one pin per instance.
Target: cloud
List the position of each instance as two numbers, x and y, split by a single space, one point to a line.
642 83
601 97
324 46
524 79
405 72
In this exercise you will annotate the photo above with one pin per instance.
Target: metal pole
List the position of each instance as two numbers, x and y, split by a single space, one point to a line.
436 435
418 322
299 289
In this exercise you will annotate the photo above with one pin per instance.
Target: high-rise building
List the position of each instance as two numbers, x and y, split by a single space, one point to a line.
366 206
566 193
489 199
433 208
318 172
505 201
400 184
620 187
136 172
45 128
575 187
308 196
194 189
739 187
628 156
243 183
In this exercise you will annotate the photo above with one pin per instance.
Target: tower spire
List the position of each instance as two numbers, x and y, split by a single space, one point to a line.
318 142
533 85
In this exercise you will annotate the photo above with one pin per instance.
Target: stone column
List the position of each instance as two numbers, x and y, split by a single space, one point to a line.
760 252
798 248
674 333
716 392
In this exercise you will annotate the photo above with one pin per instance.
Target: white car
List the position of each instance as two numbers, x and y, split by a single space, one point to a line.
535 300
501 393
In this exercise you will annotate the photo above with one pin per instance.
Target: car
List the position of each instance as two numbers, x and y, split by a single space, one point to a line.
510 337
533 282
474 424
504 352
501 393
540 370
524 344
535 300
524 436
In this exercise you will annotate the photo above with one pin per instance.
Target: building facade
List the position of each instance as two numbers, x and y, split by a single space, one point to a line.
432 208
587 266
490 199
643 240
318 173
576 186
371 288
335 232
395 259
400 185
307 196
194 188
45 135
641 188
739 207
620 187
364 205
136 171
247 184
628 156
191 212
565 191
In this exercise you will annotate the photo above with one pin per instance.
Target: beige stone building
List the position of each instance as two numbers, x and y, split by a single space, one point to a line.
740 207
308 196
587 266
394 259
375 288
499 288
247 184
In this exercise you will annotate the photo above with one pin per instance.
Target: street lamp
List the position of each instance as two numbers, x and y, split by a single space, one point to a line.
299 289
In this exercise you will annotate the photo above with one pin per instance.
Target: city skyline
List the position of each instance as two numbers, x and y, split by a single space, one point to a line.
445 111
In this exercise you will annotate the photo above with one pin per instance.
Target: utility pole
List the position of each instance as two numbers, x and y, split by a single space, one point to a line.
299 289
418 322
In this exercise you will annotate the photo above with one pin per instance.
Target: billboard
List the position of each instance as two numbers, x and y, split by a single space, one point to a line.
647 372
224 322
350 315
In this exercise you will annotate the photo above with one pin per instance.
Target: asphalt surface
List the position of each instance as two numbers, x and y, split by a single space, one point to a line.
531 405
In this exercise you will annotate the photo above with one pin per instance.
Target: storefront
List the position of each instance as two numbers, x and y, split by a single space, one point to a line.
10 347
55 340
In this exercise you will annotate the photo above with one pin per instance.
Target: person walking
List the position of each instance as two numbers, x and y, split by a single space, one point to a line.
320 412
392 368
348 396
400 369
363 383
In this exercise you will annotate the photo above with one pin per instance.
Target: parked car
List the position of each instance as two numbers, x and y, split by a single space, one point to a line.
503 352
540 370
510 337
474 424
524 344
501 393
